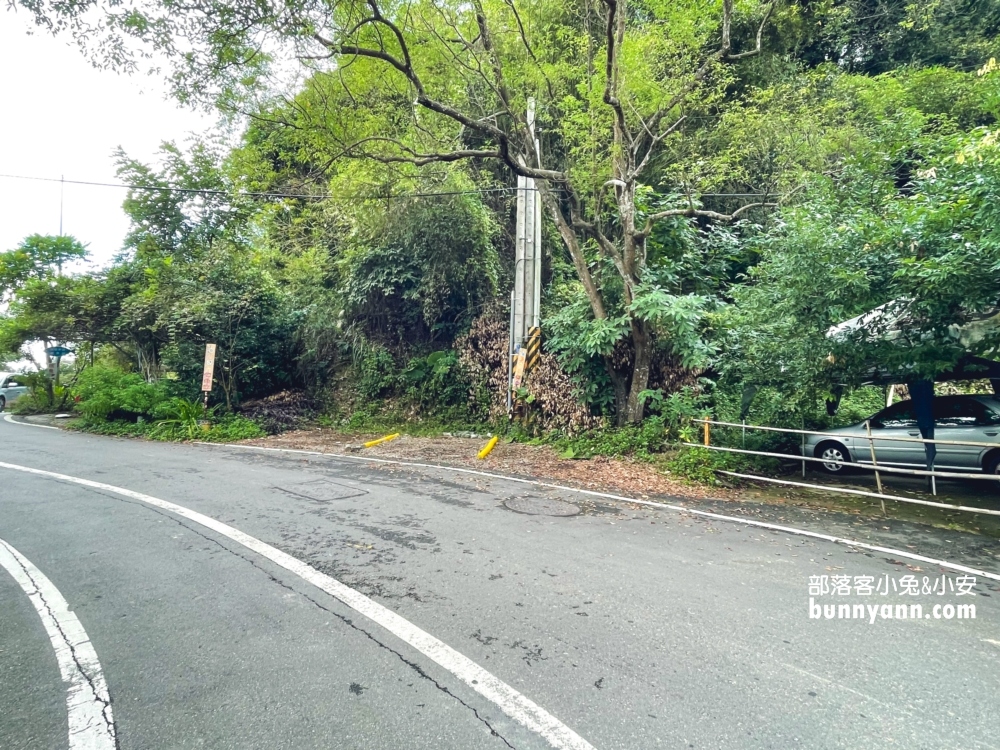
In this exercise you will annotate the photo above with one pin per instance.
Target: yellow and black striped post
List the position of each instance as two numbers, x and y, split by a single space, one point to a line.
524 361
533 347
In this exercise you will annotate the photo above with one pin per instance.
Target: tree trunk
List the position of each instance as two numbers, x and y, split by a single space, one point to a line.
642 343
619 381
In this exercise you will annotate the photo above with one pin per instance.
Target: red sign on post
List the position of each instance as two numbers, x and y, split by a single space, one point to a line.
206 378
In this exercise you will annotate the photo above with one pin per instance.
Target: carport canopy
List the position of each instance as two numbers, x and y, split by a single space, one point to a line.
889 322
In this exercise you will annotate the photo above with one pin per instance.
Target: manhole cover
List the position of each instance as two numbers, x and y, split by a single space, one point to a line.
540 506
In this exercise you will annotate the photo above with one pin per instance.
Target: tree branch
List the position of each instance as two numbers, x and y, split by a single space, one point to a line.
691 211
420 159
760 36
722 54
614 35
654 142
487 41
427 102
572 242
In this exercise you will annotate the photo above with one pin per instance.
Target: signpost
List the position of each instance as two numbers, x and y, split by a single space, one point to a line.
57 352
209 372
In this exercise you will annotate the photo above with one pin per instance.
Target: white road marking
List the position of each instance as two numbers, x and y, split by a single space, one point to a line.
662 506
828 681
511 702
10 418
91 726
649 503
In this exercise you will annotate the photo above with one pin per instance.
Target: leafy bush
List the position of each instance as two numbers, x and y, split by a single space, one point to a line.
184 415
700 464
438 383
112 395
377 373
678 409
579 342
42 395
641 440
232 428
228 429
417 271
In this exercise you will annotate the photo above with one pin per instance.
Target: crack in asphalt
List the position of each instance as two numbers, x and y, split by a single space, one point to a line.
343 618
109 724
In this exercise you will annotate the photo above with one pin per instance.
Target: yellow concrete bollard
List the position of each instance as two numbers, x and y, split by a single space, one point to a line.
488 447
385 439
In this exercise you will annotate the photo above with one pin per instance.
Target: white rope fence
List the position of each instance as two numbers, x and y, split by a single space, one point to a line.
873 466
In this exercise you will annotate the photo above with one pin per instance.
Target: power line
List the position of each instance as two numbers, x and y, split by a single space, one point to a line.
250 193
315 196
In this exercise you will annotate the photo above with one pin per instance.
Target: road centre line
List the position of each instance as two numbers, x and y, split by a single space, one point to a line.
88 704
510 701
649 503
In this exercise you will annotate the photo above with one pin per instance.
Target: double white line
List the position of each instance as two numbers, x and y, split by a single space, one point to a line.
88 705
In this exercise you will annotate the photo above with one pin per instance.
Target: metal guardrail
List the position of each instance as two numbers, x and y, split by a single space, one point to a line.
872 466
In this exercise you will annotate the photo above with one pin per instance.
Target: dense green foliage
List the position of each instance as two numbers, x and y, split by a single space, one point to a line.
723 182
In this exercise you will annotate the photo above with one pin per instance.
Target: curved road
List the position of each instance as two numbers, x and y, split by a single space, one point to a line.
211 583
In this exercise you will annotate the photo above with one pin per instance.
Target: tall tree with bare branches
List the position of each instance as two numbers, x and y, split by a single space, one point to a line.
423 82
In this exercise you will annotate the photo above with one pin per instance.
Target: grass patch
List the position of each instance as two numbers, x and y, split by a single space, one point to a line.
393 420
227 429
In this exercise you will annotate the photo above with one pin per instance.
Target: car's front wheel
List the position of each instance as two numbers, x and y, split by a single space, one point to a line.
831 453
3 403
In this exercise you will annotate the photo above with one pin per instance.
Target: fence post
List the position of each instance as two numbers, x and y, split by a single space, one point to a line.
871 447
707 433
803 454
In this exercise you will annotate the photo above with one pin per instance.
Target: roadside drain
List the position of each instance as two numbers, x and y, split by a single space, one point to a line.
540 506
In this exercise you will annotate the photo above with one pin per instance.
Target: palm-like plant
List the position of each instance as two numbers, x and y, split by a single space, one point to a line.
186 414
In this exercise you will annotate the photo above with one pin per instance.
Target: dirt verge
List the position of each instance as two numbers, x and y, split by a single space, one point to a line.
646 480
615 475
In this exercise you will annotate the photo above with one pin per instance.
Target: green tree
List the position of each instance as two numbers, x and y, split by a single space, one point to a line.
36 257
614 84
422 271
928 256
190 276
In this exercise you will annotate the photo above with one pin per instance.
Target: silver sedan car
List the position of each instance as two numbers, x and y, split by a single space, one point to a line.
958 418
11 386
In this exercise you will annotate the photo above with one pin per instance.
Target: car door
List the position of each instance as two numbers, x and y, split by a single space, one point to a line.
962 419
898 421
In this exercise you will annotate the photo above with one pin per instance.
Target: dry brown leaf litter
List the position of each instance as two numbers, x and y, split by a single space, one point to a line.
602 474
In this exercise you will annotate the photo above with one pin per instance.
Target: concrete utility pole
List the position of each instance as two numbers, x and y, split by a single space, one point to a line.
525 299
528 251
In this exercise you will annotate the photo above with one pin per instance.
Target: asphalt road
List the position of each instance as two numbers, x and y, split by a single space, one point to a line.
627 627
